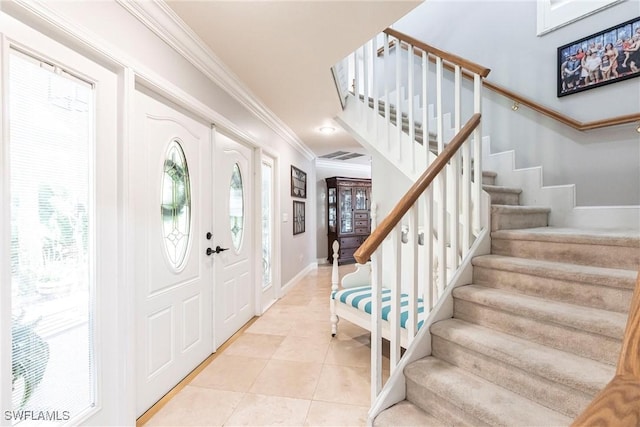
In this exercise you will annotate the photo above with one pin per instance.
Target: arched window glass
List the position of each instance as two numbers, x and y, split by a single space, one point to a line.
176 204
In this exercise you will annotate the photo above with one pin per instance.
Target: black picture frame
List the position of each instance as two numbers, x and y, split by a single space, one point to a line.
298 183
298 217
590 62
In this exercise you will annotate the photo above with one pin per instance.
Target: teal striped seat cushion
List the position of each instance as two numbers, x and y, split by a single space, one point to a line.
360 298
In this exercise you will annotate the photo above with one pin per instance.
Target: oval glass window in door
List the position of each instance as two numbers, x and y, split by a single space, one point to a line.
236 207
176 204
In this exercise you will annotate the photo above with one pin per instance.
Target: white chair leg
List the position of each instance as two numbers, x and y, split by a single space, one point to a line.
334 318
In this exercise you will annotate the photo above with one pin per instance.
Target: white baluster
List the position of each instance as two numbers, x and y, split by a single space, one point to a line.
442 186
425 105
439 112
477 152
376 304
428 249
455 172
398 97
374 90
356 73
365 69
387 101
412 321
376 324
411 122
466 197
396 288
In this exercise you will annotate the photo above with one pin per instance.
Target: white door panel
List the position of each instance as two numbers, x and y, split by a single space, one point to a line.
235 289
174 275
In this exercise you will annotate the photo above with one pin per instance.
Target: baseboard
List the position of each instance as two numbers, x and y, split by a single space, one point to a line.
297 278
323 261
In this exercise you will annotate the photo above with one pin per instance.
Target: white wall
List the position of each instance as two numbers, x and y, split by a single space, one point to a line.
326 169
501 35
135 45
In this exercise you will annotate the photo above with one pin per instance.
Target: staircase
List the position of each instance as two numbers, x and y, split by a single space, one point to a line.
535 336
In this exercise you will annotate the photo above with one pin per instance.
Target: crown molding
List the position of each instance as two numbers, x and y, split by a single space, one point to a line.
157 16
42 10
340 164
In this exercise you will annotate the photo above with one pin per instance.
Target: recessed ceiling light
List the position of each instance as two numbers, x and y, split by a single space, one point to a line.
327 130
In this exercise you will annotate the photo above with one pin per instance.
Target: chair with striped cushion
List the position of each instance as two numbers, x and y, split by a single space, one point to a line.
352 302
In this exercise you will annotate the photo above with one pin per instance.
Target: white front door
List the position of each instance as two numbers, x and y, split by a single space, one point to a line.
172 192
233 238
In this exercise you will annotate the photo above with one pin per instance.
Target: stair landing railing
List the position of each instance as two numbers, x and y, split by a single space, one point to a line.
435 223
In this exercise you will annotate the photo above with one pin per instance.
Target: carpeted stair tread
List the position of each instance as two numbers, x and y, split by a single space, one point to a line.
608 237
555 365
601 322
501 189
484 401
591 247
405 413
600 276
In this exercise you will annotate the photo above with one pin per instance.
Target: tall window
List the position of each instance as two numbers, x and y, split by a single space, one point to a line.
51 125
267 224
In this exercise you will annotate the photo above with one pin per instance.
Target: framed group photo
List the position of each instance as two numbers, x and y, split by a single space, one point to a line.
605 57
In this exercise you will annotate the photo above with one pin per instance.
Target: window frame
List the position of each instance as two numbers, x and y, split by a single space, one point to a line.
550 17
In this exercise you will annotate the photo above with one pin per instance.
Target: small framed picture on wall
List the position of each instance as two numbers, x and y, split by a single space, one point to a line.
298 217
298 183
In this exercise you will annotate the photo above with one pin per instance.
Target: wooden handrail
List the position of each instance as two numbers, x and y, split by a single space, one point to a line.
619 403
596 124
374 240
521 100
454 59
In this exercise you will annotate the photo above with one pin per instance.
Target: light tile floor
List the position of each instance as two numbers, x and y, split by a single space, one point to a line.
285 369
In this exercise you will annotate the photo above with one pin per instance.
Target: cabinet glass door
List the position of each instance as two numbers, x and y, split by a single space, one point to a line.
361 199
332 210
346 211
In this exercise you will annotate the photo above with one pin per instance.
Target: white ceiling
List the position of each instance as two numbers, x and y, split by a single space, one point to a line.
283 52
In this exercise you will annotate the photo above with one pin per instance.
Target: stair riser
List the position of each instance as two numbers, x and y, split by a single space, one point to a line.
488 180
588 295
594 255
517 220
438 406
502 198
596 347
559 397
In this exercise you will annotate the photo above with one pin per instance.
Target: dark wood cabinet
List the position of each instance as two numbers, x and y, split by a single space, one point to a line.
348 215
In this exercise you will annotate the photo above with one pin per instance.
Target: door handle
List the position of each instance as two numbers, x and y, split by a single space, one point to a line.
216 251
